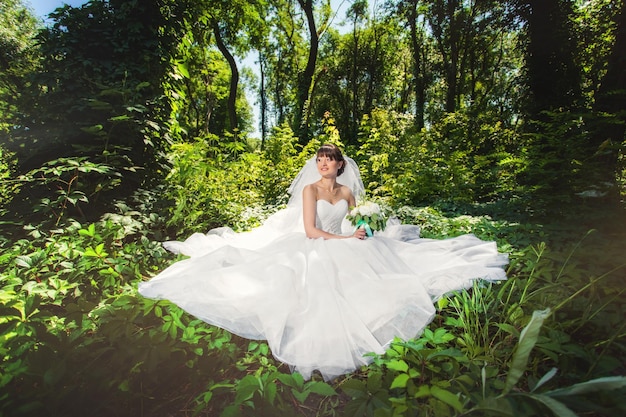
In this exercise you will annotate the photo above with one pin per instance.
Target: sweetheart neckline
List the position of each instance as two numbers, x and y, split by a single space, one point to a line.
333 204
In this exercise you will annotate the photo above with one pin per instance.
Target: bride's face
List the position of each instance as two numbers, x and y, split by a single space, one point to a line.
328 167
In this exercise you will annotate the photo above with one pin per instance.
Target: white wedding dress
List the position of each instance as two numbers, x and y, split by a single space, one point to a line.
321 304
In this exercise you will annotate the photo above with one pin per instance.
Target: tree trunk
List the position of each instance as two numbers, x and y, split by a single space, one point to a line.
445 27
453 66
234 78
418 66
305 79
354 124
263 96
553 76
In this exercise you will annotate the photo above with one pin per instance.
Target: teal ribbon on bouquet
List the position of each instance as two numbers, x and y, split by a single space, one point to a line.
368 229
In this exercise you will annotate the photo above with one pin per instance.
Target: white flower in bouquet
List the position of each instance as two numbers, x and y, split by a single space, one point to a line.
368 215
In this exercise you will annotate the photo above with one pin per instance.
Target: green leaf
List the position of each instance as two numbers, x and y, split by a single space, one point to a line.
287 379
397 365
527 341
97 252
24 261
322 388
594 385
270 392
450 353
182 69
95 129
142 85
300 396
121 118
374 381
494 406
400 381
558 408
231 411
508 328
548 376
246 388
354 388
422 391
447 397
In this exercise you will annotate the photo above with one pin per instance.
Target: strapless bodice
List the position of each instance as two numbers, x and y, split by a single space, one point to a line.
330 216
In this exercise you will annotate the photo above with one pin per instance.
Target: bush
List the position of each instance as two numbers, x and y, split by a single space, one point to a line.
8 186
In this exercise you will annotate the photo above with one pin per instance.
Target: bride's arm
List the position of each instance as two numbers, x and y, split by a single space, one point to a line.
309 211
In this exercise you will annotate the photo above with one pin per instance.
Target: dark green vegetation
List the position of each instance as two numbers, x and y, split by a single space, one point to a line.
124 123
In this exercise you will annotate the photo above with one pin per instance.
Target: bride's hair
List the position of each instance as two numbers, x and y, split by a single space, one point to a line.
334 153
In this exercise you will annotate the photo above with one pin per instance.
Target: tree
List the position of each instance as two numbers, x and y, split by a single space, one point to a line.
282 57
201 89
610 100
18 59
234 75
448 20
413 13
358 13
553 76
305 77
352 82
101 80
238 27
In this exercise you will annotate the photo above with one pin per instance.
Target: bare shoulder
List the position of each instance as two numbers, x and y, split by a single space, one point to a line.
346 192
310 189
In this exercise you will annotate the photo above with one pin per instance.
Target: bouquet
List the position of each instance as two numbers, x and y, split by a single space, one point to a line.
368 215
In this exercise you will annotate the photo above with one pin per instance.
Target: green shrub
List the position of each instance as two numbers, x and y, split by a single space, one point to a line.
8 187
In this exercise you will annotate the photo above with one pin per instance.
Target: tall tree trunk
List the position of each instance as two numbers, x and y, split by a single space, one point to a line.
355 85
453 66
446 29
553 76
419 86
305 79
277 88
263 96
234 79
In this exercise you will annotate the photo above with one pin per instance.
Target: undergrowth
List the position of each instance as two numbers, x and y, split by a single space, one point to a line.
76 339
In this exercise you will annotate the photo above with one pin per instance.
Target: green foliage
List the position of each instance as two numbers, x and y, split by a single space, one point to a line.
18 57
457 160
284 160
214 185
384 142
369 63
71 319
198 87
72 181
121 81
486 354
436 375
97 93
211 190
8 188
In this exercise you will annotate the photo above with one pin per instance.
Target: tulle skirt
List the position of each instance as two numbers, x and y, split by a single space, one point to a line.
321 304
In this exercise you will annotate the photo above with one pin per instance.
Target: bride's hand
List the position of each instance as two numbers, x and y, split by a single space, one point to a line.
359 233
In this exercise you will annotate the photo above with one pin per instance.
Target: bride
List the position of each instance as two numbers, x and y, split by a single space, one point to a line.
321 293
